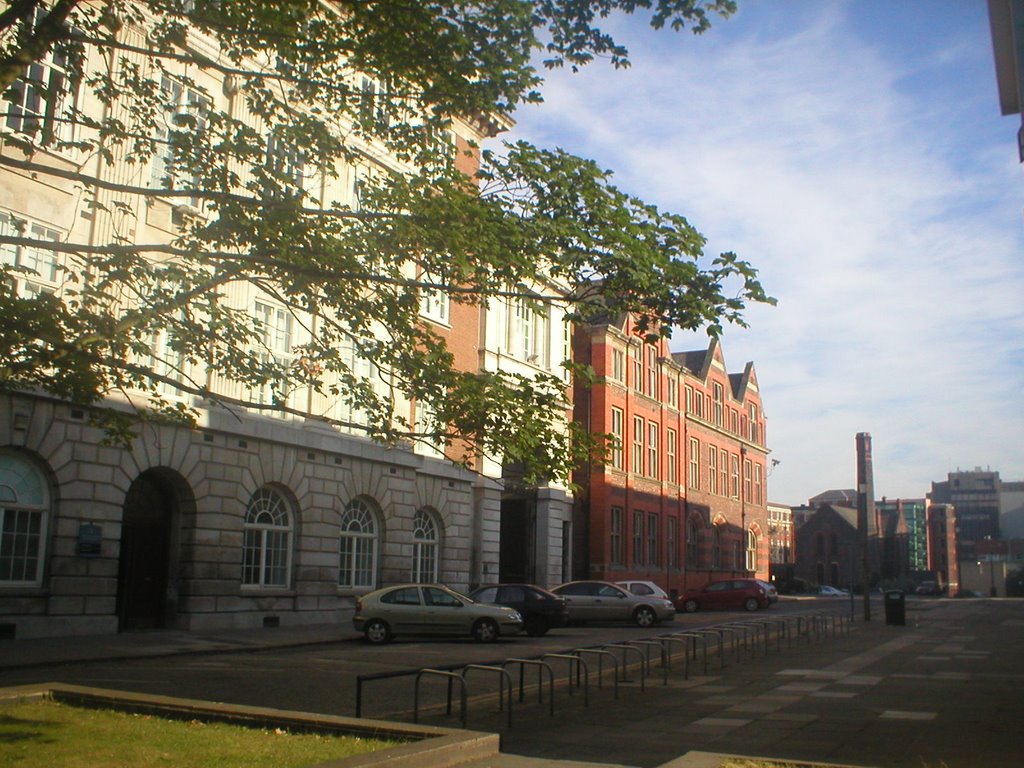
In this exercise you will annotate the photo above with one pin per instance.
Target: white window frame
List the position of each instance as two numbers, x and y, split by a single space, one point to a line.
618 373
435 304
693 474
615 535
267 541
671 456
34 112
652 449
358 546
637 466
46 263
617 424
426 547
24 521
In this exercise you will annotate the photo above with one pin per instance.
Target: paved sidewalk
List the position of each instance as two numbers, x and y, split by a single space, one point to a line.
944 691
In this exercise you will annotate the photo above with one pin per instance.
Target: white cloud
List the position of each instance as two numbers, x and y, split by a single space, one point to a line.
892 238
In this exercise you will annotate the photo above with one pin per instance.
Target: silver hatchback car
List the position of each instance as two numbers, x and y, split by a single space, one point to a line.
605 601
430 609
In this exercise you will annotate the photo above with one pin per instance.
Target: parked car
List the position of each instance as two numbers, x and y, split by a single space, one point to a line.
605 601
730 593
541 610
430 609
826 591
645 588
770 590
928 588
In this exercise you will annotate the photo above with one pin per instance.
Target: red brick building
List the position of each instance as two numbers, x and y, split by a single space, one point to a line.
682 497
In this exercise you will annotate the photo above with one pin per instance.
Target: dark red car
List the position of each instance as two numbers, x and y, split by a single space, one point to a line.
730 593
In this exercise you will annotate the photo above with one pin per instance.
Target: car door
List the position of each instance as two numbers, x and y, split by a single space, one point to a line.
717 595
582 601
403 610
612 603
445 613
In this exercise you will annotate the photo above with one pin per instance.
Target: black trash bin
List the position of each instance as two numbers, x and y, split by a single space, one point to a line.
895 607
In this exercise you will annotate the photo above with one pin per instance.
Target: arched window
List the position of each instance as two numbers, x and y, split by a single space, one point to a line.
358 546
692 544
751 563
24 514
424 547
267 536
716 547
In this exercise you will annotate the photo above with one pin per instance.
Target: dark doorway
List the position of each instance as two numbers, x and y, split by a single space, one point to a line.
145 548
515 563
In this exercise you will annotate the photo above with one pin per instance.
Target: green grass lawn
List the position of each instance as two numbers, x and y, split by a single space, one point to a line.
47 734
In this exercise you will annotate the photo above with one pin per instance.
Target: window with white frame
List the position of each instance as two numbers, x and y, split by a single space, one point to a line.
349 414
747 490
673 391
638 537
617 437
275 326
723 472
266 541
672 542
719 401
637 466
42 102
358 546
430 443
373 108
652 372
434 302
615 536
652 539
698 404
652 449
754 430
286 164
46 275
671 457
425 547
178 159
693 476
735 476
637 364
688 393
24 519
529 330
712 469
751 553
758 495
618 365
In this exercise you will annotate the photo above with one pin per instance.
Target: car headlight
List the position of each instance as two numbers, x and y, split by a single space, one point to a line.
516 616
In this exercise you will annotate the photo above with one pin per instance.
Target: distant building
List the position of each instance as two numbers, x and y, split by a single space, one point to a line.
846 497
1011 510
904 532
780 536
941 522
828 548
975 495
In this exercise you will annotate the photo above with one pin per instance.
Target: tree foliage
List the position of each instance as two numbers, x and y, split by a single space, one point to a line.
317 88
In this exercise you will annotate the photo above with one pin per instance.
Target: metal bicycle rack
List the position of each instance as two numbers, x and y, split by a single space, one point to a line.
601 654
503 675
580 666
541 666
741 634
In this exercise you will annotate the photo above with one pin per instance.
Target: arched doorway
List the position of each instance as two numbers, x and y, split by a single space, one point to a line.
144 566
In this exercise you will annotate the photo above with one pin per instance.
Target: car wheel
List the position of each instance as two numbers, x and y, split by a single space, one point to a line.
750 603
536 626
485 631
377 632
690 606
644 616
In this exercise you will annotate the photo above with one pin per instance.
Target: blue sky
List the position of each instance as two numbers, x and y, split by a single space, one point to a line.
854 152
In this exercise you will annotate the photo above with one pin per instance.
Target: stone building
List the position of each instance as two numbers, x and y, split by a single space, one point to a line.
246 519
